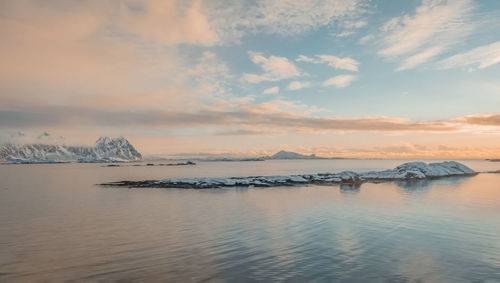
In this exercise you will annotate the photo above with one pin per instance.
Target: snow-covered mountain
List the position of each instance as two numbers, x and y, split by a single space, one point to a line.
104 150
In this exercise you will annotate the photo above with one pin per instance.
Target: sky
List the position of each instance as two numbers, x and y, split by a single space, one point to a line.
337 78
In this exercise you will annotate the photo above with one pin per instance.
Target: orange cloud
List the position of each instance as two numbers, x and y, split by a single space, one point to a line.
169 22
489 119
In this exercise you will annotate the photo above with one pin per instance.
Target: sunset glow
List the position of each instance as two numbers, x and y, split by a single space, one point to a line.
354 78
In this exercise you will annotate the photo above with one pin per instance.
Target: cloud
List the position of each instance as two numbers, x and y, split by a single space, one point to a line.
433 28
211 75
339 81
411 150
20 137
77 54
58 51
235 19
303 58
296 85
343 34
419 58
487 119
367 38
348 64
355 24
206 23
275 69
265 115
335 62
272 90
479 57
168 22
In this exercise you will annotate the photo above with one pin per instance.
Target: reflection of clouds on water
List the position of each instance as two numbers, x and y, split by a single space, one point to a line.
349 249
415 266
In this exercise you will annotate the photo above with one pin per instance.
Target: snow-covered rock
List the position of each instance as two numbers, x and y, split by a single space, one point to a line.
105 150
420 170
407 171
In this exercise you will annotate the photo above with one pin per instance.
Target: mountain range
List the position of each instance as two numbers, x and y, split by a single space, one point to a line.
105 149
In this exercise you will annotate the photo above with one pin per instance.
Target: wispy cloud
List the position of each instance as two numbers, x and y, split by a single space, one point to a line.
275 69
235 19
434 27
339 81
343 34
296 85
210 74
419 58
347 63
335 62
272 90
479 57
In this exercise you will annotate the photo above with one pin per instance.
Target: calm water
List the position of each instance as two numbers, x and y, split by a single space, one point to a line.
56 225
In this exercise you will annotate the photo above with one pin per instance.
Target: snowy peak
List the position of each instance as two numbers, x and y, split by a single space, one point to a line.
105 150
116 149
106 141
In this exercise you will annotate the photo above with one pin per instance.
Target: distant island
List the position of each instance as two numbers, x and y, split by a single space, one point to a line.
207 157
293 155
279 155
105 149
290 155
404 172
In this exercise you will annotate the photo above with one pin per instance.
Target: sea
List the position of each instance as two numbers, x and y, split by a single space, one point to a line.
58 224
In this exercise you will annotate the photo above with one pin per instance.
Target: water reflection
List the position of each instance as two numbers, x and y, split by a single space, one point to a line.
55 225
422 185
350 188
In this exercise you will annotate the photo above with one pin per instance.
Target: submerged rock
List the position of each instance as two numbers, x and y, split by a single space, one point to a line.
407 171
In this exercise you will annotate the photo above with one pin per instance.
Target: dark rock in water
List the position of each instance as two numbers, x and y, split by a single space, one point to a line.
407 171
227 159
153 164
172 164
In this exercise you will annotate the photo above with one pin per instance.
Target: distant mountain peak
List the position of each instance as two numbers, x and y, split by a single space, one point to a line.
283 154
102 139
